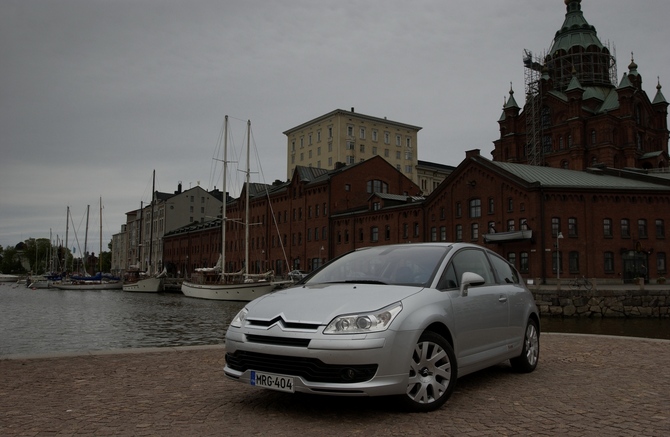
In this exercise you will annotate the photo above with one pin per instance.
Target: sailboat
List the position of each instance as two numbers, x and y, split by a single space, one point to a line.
101 281
140 281
214 282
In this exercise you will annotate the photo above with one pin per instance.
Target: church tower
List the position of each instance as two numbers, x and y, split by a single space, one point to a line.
575 114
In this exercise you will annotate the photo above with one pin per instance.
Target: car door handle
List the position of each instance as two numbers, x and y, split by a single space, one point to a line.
502 299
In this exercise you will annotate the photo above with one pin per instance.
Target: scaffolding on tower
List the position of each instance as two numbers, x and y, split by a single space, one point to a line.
532 108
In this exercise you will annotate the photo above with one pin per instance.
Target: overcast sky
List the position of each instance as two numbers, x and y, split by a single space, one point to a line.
95 94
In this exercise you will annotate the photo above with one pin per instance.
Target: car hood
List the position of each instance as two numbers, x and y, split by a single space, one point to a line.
320 303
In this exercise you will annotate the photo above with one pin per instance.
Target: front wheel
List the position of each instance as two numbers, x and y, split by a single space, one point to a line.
527 361
432 373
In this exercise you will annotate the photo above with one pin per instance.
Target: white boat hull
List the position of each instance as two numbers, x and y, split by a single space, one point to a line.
8 278
245 292
148 285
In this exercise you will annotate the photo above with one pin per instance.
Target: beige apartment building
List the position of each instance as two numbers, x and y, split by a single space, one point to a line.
349 137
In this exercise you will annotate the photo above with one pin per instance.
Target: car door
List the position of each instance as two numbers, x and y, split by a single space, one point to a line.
517 297
481 313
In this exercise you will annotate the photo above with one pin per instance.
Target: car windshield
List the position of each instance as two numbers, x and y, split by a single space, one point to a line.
396 265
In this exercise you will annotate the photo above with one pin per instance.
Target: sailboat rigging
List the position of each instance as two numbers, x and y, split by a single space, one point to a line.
215 283
147 282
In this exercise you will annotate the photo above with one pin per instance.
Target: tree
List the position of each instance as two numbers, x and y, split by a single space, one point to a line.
11 262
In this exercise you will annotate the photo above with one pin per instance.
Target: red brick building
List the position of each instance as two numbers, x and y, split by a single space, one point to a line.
576 115
578 186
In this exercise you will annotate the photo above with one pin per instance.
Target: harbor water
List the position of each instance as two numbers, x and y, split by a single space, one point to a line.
44 321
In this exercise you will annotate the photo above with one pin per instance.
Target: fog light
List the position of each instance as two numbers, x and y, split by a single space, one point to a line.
348 374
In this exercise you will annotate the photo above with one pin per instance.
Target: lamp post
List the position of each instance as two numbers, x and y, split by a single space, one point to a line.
558 257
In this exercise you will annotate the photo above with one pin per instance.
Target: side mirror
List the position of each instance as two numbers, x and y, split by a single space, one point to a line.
469 279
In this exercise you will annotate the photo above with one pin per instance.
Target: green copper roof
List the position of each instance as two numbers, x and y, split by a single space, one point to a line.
558 177
575 31
659 98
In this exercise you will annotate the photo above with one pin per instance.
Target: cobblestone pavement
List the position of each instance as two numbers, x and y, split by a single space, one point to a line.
583 386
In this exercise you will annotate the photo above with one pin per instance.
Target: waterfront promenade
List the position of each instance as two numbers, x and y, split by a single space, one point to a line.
583 386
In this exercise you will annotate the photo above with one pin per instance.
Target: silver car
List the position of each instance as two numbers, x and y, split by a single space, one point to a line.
403 320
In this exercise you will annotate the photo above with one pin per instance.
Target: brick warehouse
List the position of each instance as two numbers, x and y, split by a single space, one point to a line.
578 185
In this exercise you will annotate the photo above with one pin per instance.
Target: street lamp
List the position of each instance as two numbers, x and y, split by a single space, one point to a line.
558 256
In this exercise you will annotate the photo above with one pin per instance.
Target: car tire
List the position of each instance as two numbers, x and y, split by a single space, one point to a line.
432 374
526 362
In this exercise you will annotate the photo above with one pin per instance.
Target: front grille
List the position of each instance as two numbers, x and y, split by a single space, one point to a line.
310 369
281 341
257 323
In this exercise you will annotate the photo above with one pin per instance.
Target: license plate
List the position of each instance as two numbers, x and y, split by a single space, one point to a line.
271 381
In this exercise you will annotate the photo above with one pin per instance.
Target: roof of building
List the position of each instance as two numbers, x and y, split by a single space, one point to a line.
350 113
563 178
575 31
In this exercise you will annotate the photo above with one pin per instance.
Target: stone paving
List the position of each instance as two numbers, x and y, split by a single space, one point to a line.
583 386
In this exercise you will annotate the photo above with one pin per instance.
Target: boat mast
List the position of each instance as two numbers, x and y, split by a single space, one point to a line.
151 224
67 231
246 219
100 251
224 198
139 236
88 209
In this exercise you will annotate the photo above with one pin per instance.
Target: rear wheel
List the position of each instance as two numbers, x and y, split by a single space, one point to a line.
432 373
527 361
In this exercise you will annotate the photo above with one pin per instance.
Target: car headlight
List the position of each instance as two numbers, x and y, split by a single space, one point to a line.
239 318
375 321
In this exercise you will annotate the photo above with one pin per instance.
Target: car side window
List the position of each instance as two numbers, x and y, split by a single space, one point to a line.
449 280
506 273
467 260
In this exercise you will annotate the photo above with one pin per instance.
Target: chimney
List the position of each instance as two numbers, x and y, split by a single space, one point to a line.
471 153
352 109
178 188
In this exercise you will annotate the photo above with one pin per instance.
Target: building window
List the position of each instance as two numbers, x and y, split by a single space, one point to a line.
569 141
459 209
398 140
459 232
374 135
374 150
510 225
386 153
405 230
625 228
642 228
593 137
416 229
511 258
408 169
660 228
556 261
350 131
330 132
387 138
560 143
491 205
362 133
433 234
573 261
475 208
661 265
397 155
609 262
377 186
607 228
376 206
555 226
387 232
523 262
572 227
374 234
408 142
347 187
350 160
474 231
350 145
443 233
510 204
362 148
